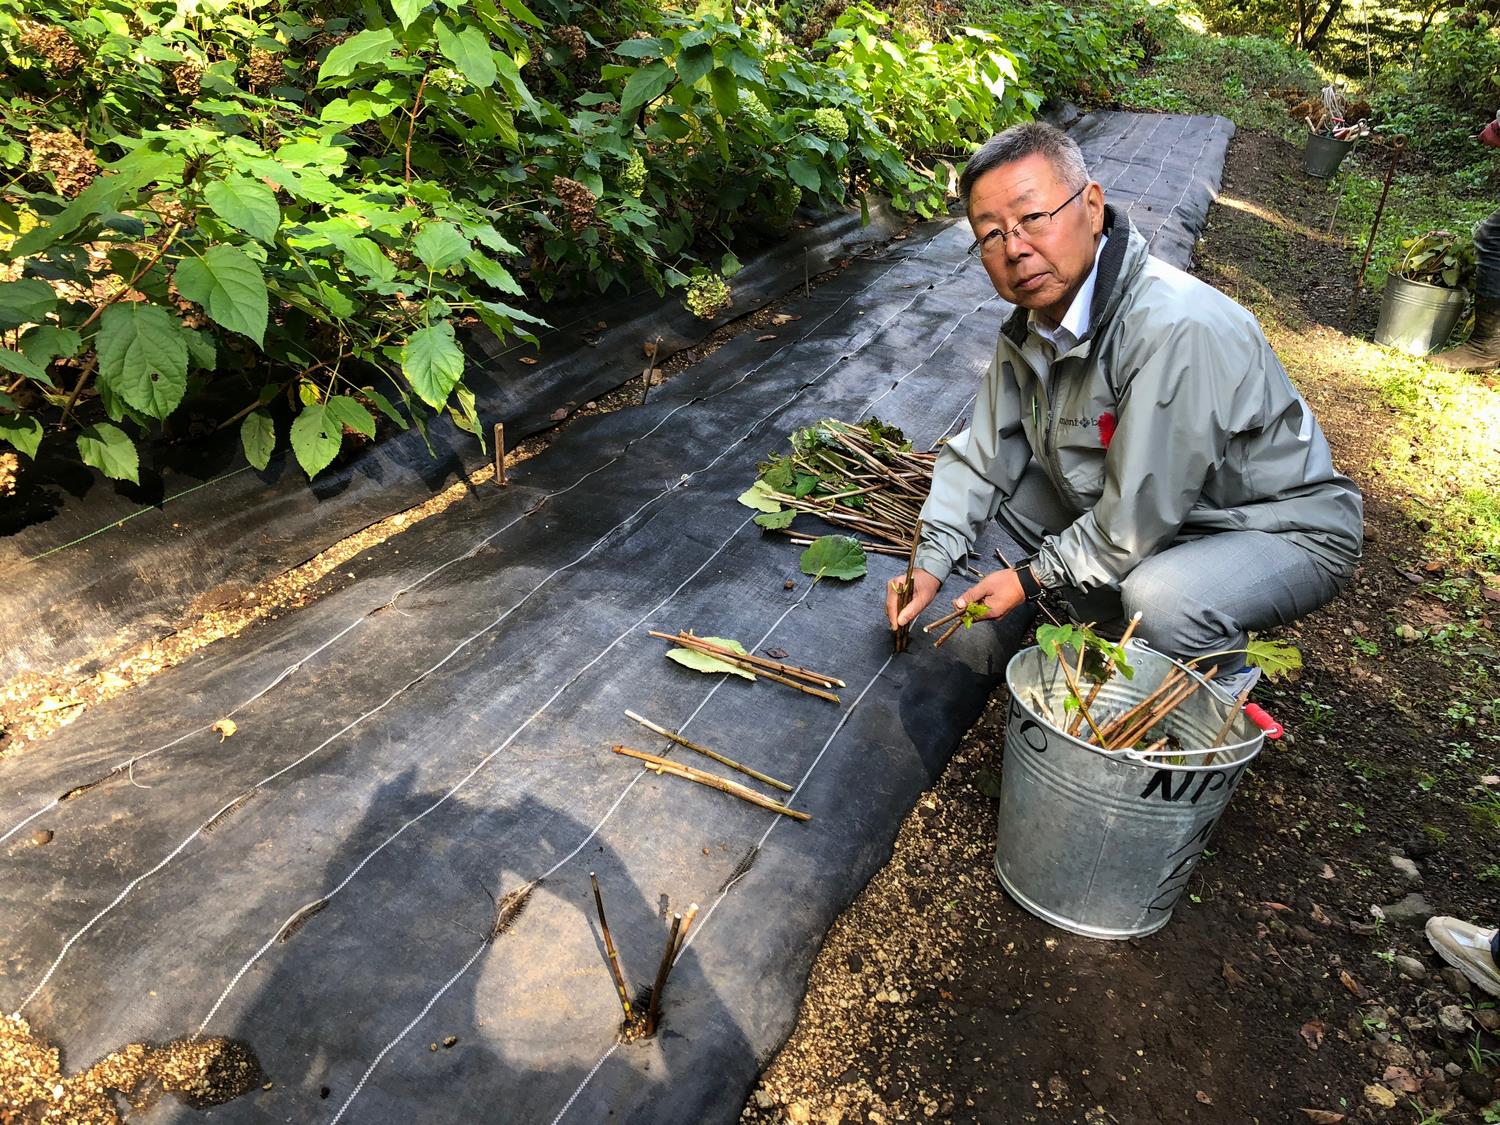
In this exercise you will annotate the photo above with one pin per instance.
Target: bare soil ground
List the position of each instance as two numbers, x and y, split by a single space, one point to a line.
1275 994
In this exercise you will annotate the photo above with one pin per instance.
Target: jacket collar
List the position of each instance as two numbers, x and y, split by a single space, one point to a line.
1124 254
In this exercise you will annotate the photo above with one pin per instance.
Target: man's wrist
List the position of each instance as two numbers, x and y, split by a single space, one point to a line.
1031 586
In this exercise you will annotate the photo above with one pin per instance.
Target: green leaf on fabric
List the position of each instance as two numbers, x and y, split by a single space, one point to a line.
27 301
759 497
804 485
21 431
317 435
229 285
110 450
776 521
707 662
1275 658
258 436
440 246
246 205
645 86
433 363
778 474
143 357
835 556
368 47
351 413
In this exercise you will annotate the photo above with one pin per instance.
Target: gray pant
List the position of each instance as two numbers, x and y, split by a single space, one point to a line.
1198 596
1487 256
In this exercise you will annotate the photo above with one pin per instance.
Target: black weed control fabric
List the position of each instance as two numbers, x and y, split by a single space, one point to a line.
435 734
87 561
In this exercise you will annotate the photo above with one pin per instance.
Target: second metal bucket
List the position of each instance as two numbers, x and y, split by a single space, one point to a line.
1103 843
1323 155
1416 317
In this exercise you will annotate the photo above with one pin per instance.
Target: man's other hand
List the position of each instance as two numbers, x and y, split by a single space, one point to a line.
1000 592
927 586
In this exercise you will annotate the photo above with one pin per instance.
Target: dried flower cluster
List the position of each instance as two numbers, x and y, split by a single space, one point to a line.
53 44
574 40
707 295
264 69
70 163
578 202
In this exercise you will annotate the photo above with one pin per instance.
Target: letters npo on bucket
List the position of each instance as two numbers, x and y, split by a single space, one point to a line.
1103 844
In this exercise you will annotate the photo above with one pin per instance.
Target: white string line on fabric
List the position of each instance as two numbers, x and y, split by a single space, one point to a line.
596 828
432 1000
594 831
702 925
470 551
673 487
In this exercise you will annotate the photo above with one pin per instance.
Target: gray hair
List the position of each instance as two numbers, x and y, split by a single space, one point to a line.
1019 142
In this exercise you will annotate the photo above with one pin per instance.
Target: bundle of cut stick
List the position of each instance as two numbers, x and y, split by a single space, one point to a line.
808 682
865 478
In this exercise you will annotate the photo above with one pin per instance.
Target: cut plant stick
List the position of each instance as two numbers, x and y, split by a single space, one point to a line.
1099 685
673 736
1234 710
948 632
1073 687
609 949
1173 679
1139 729
687 924
901 635
692 640
943 620
733 788
653 1013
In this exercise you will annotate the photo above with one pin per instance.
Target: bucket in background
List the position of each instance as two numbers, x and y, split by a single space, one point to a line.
1416 317
1103 844
1323 155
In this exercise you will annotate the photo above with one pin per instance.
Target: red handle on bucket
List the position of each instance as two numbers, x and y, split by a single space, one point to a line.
1259 716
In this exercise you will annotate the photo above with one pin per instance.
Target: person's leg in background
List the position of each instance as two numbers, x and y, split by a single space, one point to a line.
1481 350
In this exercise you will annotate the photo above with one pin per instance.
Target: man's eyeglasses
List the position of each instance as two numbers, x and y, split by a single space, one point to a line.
1030 227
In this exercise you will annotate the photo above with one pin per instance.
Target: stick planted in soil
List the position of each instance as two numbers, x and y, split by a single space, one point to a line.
609 949
653 1013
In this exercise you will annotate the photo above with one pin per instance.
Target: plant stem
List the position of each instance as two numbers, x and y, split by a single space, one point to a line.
653 1013
673 736
943 620
1083 707
688 773
902 633
1139 729
1117 724
953 628
411 126
1098 687
609 948
687 924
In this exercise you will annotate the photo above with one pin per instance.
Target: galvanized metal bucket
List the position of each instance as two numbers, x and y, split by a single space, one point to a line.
1323 155
1416 317
1099 843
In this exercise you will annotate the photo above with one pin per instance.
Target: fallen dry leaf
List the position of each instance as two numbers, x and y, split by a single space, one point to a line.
649 347
1352 985
1490 779
784 318
559 414
1401 1080
767 336
1233 976
1279 907
529 360
1312 1032
55 703
776 653
225 727
1320 917
1326 873
1204 1098
1323 1116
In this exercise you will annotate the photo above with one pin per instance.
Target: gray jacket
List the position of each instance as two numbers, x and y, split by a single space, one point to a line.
1170 418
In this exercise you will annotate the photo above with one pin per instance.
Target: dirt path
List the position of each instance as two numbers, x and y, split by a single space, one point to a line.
1275 990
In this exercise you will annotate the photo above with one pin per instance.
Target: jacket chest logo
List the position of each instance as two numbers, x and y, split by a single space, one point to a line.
1104 423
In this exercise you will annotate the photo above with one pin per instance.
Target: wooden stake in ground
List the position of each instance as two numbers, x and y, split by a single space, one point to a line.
653 1013
734 789
687 924
673 736
500 454
609 949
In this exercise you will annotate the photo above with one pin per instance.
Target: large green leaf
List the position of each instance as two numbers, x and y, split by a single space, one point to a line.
433 363
834 556
706 662
805 173
349 412
25 302
22 431
439 245
317 435
644 87
368 47
758 496
46 342
776 521
246 205
258 436
19 364
694 63
229 285
143 357
470 52
364 257
408 10
1274 658
110 450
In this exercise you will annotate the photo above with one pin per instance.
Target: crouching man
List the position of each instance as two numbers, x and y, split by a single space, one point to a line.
1135 433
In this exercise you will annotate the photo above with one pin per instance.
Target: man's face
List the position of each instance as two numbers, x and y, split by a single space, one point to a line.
1041 272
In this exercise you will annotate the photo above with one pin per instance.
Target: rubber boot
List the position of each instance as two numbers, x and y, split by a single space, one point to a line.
1481 351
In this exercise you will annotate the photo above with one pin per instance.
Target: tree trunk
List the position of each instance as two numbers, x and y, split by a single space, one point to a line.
1334 7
